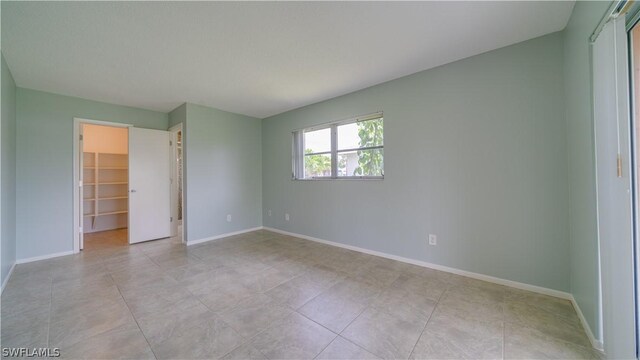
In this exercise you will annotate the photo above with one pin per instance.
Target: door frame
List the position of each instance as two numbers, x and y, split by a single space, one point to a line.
174 184
77 189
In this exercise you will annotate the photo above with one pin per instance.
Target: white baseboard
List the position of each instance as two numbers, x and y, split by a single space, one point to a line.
44 257
6 280
217 237
597 344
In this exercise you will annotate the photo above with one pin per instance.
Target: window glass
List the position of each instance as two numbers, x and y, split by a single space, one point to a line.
317 165
361 163
361 134
317 141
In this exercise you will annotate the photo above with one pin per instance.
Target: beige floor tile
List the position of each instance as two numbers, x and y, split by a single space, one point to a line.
16 303
472 306
427 287
294 296
172 260
160 326
449 336
18 323
212 280
150 275
294 337
255 314
150 301
342 349
208 338
115 344
265 280
82 283
569 330
556 306
25 329
245 352
377 273
339 305
385 335
526 343
227 297
34 337
407 306
71 328
71 306
184 272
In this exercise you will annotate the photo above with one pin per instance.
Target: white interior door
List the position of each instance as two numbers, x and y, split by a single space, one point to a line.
149 184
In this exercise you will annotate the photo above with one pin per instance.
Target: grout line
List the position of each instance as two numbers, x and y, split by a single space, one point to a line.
383 289
326 346
429 319
218 317
50 310
504 325
310 319
133 316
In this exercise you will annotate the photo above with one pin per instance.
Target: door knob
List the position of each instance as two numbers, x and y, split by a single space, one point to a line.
132 190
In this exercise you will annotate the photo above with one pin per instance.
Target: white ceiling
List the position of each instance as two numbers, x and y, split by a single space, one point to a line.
253 58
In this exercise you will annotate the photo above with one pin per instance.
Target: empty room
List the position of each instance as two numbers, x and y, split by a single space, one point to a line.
320 180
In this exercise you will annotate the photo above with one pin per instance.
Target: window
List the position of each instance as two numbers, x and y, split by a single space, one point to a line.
350 149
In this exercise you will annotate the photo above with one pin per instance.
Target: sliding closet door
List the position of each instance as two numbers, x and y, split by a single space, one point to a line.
613 174
149 184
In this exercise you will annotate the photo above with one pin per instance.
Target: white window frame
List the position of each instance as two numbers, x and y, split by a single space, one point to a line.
298 147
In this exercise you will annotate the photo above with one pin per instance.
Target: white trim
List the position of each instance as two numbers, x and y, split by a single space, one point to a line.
597 344
44 257
217 237
76 174
6 280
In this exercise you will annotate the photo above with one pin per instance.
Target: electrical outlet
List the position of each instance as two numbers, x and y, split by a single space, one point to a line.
286 217
433 239
269 212
229 218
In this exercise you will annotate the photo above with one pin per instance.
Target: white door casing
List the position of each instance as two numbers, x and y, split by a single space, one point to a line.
80 188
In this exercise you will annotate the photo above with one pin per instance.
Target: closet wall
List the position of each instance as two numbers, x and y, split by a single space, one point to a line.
105 176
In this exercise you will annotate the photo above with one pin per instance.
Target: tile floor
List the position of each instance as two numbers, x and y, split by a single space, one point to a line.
264 295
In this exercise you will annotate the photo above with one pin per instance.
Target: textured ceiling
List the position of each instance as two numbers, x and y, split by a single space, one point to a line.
253 58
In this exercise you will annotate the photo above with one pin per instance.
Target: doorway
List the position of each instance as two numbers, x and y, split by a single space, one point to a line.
105 178
122 181
177 200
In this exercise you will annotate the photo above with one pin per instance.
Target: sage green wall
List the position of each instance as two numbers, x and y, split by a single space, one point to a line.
178 115
475 152
581 159
8 203
45 164
223 172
